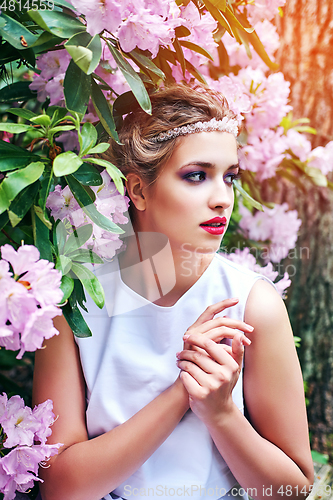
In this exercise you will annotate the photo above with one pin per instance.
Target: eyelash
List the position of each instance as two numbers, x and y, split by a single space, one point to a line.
189 177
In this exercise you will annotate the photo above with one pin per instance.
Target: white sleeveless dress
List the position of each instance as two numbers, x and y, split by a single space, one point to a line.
131 359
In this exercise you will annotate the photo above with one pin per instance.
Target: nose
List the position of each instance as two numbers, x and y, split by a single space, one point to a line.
222 195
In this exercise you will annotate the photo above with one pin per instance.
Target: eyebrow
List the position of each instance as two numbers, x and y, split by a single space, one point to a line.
205 164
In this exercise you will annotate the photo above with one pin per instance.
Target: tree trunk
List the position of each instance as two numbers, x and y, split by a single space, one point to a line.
305 58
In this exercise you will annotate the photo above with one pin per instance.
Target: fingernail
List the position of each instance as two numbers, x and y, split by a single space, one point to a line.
185 337
250 327
246 341
178 355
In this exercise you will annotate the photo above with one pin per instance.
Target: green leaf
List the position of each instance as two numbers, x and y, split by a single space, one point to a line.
46 182
196 48
2 22
78 238
319 457
14 128
88 175
18 91
43 120
61 128
75 320
41 214
85 50
22 112
195 72
220 4
57 114
235 22
146 63
64 264
100 148
16 34
12 157
16 181
218 16
84 200
246 195
316 176
181 31
66 163
22 202
59 236
76 89
56 22
133 79
88 138
41 236
180 54
85 255
124 104
114 172
67 286
90 283
103 110
63 3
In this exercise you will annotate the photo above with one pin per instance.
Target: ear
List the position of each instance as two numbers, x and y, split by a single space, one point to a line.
135 190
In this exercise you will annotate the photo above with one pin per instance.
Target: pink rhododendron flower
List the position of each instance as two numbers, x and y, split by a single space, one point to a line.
49 82
238 56
235 94
298 144
28 298
322 158
38 327
99 15
109 202
246 259
22 426
279 226
263 154
263 9
22 259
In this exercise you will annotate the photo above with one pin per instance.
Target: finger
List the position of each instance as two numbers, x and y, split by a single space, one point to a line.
237 348
221 322
214 309
199 358
216 351
190 384
202 378
219 334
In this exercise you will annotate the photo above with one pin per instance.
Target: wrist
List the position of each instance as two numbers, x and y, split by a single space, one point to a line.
180 393
224 418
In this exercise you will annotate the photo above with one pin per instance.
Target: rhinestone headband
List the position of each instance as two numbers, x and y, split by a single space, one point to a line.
225 125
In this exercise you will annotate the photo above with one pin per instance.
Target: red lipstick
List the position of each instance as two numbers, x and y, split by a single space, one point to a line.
215 225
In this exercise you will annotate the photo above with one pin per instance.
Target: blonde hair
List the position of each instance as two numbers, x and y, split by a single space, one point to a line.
174 106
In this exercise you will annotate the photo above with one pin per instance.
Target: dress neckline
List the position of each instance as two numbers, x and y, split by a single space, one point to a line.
145 301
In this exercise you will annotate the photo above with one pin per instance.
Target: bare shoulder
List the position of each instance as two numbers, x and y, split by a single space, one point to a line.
273 384
58 376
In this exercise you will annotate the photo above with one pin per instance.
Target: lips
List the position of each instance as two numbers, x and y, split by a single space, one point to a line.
215 225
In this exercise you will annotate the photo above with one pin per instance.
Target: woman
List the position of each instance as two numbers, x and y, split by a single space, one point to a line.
140 413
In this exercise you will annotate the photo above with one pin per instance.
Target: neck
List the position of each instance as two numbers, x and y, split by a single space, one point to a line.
158 272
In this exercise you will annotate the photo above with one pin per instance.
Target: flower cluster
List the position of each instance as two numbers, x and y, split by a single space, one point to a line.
145 24
277 226
20 427
246 259
29 292
49 83
109 202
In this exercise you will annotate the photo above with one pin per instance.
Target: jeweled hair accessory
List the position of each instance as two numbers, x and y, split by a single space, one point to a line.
225 125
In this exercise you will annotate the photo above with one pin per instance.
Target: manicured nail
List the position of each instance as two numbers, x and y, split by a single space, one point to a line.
249 327
185 337
177 355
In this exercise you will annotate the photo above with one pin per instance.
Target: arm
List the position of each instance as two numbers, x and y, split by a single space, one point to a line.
272 450
89 469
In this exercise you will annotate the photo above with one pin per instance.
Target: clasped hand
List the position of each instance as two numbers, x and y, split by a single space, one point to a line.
210 369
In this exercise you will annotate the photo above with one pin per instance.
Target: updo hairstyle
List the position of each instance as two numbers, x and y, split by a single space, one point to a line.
172 107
